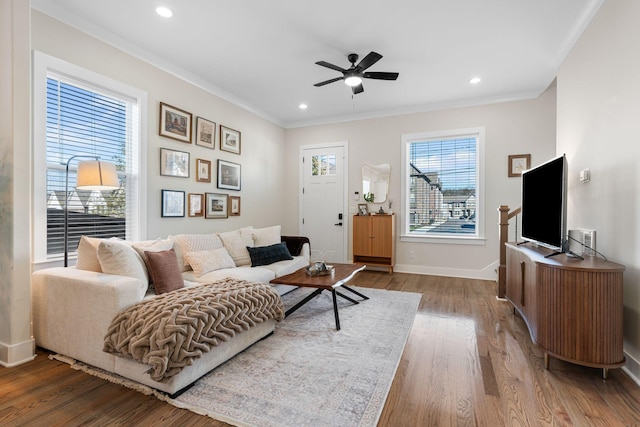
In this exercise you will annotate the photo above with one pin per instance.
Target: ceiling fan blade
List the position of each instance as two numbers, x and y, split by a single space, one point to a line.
369 60
333 67
357 89
380 75
326 82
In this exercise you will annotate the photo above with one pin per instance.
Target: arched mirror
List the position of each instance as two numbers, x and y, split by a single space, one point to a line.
375 179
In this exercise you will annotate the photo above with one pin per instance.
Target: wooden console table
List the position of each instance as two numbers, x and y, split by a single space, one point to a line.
573 308
374 240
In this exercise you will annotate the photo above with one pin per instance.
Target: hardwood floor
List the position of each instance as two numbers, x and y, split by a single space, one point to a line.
468 361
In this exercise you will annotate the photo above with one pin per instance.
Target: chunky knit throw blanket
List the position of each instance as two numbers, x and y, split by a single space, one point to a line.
170 331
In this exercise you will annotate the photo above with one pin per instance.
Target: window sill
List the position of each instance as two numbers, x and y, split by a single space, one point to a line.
447 240
54 261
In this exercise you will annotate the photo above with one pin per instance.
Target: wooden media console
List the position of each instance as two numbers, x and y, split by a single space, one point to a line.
573 308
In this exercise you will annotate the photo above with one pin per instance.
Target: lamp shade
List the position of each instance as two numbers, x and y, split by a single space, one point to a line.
97 175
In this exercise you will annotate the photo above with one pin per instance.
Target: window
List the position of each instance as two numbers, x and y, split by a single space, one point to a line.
442 185
78 113
323 165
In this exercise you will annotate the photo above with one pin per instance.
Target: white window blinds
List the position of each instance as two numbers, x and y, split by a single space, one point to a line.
443 185
89 120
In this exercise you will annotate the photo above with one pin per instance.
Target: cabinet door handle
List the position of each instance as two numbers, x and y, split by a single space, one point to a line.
522 275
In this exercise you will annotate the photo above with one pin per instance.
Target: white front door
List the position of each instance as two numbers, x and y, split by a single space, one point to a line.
324 219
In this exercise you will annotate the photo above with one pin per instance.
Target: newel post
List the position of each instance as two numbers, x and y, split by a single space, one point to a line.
504 234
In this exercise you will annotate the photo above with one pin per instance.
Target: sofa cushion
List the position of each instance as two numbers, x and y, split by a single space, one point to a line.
185 243
264 236
282 268
250 274
165 270
203 262
237 248
265 255
119 258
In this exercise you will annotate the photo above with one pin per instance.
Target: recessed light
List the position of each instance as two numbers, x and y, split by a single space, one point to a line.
165 12
475 80
303 106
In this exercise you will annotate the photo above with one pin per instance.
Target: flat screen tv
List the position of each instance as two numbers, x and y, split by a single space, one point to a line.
544 204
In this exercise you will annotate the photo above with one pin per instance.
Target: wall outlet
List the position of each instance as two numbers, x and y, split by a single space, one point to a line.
585 175
410 254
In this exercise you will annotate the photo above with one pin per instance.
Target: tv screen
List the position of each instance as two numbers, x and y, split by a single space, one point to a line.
544 200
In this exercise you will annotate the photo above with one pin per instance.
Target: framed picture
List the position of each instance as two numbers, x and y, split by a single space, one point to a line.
229 140
172 203
228 175
205 133
216 205
175 123
203 170
363 209
234 205
174 163
519 163
196 204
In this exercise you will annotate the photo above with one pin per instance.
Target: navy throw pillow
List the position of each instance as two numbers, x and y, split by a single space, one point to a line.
265 255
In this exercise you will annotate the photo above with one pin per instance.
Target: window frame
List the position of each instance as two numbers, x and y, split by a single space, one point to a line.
463 239
44 64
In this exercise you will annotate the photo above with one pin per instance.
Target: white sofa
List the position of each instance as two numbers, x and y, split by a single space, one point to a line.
73 308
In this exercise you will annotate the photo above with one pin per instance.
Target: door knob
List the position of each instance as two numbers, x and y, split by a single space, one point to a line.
340 224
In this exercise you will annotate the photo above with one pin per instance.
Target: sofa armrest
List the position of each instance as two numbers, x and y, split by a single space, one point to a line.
295 244
72 310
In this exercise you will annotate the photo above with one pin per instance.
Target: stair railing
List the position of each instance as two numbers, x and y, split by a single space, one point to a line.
505 216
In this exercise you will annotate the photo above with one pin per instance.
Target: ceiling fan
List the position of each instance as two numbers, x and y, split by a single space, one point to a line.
354 75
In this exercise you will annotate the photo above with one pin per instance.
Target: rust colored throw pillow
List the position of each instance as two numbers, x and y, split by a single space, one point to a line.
165 271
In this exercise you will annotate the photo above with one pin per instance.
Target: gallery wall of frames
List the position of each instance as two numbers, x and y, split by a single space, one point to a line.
218 176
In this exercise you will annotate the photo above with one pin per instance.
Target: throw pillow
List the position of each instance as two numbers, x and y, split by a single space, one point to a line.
157 245
203 262
186 243
265 236
88 254
165 270
237 248
120 259
266 255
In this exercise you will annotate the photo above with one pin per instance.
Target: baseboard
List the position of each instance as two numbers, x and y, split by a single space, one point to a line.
17 354
490 272
632 367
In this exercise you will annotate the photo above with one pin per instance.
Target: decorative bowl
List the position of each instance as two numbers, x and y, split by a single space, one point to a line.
319 269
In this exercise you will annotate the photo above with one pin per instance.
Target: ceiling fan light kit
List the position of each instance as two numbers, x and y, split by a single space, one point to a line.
353 75
352 80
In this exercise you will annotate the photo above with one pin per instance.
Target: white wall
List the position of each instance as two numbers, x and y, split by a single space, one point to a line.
262 142
598 117
16 344
523 127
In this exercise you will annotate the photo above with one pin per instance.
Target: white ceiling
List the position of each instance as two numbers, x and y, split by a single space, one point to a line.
261 54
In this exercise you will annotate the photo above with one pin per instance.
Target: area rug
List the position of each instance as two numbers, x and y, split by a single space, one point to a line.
307 373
